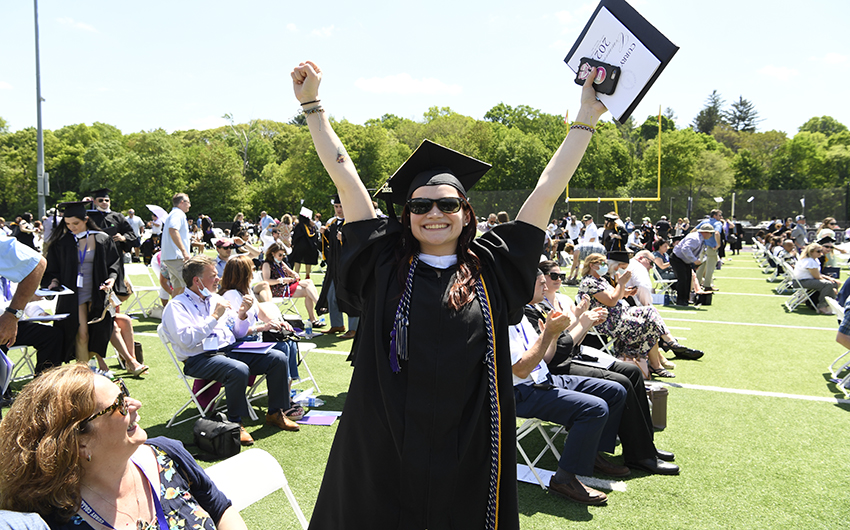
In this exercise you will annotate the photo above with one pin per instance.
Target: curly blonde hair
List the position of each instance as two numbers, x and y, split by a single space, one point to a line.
40 467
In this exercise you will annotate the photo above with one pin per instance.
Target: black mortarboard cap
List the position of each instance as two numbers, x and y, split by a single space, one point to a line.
335 199
102 192
618 255
73 209
431 165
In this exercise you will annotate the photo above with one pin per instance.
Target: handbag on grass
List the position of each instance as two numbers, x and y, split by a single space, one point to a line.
217 436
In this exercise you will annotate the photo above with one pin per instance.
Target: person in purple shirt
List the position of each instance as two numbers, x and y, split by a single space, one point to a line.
687 255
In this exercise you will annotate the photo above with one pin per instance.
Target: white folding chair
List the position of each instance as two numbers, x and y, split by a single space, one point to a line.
250 476
251 396
801 294
140 301
529 425
662 286
25 367
304 347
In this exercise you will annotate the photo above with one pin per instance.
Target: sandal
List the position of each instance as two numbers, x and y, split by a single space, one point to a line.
661 372
140 370
318 324
668 364
295 412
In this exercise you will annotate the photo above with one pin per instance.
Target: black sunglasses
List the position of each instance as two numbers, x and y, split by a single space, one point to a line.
445 205
555 276
119 403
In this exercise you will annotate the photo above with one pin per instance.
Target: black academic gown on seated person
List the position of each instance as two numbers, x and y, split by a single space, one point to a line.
62 262
413 448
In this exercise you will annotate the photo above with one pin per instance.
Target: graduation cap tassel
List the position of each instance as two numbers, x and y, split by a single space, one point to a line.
398 335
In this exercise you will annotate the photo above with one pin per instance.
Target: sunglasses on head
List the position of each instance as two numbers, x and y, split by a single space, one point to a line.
445 205
556 276
119 403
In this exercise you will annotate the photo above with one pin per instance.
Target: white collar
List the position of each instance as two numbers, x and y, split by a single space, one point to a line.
439 262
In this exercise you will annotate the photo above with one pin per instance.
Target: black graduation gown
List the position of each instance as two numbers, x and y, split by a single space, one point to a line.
332 247
305 243
62 261
413 448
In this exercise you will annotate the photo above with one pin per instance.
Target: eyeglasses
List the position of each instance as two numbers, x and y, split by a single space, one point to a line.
828 248
103 199
445 205
557 276
833 224
120 403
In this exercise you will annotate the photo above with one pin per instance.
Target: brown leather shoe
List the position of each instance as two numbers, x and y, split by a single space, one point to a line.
609 468
348 334
335 329
578 492
279 419
244 437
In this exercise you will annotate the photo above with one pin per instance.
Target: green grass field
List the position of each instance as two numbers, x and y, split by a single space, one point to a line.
750 457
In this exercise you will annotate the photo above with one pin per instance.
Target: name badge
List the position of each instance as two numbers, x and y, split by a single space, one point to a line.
538 375
79 280
211 343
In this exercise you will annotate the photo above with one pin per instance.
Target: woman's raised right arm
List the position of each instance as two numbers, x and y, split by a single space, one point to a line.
306 78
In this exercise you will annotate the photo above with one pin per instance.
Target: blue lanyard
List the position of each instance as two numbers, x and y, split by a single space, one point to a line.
82 253
160 515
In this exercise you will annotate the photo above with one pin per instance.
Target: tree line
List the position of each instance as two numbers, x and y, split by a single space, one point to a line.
268 165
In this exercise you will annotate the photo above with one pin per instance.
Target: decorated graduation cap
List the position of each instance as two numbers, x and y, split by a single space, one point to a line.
431 165
102 192
78 209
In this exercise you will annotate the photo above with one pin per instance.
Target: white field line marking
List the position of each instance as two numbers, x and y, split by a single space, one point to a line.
332 352
766 277
145 334
756 392
747 324
685 329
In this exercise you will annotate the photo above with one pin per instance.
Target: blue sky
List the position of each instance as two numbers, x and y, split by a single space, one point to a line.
183 64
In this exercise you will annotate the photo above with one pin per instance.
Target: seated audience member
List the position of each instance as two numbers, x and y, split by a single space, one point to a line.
590 243
661 259
788 252
224 250
635 431
202 327
807 272
71 451
639 268
635 243
829 261
20 263
843 336
236 289
589 408
284 282
637 331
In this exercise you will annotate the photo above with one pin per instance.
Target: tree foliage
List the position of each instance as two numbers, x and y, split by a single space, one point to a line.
711 115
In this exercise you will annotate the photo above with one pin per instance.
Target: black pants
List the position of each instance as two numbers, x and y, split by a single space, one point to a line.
636 431
683 279
47 342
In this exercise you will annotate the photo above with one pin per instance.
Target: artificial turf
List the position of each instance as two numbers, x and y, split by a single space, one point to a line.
748 460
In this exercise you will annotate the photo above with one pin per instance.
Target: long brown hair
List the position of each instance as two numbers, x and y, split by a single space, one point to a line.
237 275
40 467
468 265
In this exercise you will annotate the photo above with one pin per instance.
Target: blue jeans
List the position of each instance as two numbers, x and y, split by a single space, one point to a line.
590 408
335 314
232 371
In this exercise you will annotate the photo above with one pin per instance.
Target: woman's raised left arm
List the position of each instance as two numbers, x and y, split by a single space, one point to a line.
538 207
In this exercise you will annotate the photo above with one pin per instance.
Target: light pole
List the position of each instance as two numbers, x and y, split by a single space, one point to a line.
40 180
753 208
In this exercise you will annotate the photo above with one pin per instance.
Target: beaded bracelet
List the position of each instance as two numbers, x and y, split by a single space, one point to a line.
314 110
309 102
582 126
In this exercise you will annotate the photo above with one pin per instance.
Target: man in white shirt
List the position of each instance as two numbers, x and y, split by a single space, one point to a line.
202 328
588 245
175 241
639 267
590 408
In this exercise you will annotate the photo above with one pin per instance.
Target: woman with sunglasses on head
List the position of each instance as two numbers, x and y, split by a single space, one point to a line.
807 273
72 451
85 260
429 421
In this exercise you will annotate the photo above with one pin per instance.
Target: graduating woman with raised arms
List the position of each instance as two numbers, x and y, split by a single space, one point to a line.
427 437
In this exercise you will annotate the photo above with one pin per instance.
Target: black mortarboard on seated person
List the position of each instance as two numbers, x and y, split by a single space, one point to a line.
102 192
677 238
74 209
431 165
335 199
826 239
618 255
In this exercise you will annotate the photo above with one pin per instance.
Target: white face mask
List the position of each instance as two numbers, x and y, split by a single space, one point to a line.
205 292
603 269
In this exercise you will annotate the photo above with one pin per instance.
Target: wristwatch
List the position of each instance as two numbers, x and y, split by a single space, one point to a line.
19 313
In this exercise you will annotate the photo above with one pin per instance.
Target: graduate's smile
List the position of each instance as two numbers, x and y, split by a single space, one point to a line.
437 231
